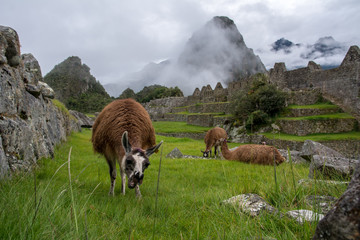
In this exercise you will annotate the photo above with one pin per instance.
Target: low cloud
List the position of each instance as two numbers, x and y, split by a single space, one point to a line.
215 53
326 51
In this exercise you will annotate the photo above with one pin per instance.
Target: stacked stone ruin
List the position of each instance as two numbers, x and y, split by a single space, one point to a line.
306 85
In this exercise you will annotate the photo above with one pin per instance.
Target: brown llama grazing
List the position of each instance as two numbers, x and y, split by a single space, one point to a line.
123 133
212 139
252 153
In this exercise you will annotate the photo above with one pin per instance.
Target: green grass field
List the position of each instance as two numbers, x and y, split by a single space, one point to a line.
320 117
176 127
50 204
314 106
315 137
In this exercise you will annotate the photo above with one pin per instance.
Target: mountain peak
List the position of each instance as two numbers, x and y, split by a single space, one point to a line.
223 22
218 47
72 80
282 44
214 53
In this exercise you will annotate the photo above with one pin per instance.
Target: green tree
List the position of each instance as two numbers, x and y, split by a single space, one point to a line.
157 91
257 104
127 93
76 87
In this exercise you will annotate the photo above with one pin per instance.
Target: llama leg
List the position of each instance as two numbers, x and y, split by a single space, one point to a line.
112 171
137 191
215 151
123 181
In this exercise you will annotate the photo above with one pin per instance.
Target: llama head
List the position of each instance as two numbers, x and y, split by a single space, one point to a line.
206 153
136 161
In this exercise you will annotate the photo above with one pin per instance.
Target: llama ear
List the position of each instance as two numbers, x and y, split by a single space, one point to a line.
125 142
201 151
151 150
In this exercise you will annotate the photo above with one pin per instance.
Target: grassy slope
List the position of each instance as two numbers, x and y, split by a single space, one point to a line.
320 117
176 127
314 106
188 202
315 137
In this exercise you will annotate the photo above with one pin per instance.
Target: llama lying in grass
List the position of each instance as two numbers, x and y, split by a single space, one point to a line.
212 139
252 153
123 133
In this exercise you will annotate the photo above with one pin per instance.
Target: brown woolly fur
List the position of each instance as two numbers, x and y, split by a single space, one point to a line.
212 138
252 153
122 127
117 117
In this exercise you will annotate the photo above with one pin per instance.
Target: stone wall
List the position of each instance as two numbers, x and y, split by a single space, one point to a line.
304 97
157 108
302 112
306 127
305 86
30 124
205 120
340 85
210 108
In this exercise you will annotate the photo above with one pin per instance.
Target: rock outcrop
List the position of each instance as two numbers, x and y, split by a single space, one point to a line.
76 87
30 124
311 148
332 167
83 120
343 221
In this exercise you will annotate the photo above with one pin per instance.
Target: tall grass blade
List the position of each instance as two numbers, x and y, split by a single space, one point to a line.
157 193
292 170
89 197
57 170
86 231
35 190
275 178
72 194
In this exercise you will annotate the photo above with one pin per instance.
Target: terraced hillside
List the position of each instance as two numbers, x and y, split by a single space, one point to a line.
304 119
201 114
324 122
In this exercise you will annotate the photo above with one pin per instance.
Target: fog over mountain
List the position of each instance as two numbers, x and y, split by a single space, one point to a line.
326 51
215 53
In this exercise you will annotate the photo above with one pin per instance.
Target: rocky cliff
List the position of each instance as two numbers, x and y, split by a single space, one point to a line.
30 124
76 87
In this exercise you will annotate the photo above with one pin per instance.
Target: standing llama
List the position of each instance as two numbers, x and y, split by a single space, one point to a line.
252 153
212 139
123 133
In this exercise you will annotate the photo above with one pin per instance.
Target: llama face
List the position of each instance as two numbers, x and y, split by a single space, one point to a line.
206 154
135 161
135 165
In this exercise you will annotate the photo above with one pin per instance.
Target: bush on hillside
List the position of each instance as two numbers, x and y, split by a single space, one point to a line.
258 103
127 93
152 92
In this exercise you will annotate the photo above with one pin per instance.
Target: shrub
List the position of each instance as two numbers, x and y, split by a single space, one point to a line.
259 102
256 119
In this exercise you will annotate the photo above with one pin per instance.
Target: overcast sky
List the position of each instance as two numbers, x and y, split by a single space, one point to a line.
117 37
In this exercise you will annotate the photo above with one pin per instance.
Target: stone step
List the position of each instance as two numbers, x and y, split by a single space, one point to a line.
223 107
304 111
204 120
303 127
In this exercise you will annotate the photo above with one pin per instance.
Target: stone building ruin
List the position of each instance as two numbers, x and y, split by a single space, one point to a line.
306 85
339 85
